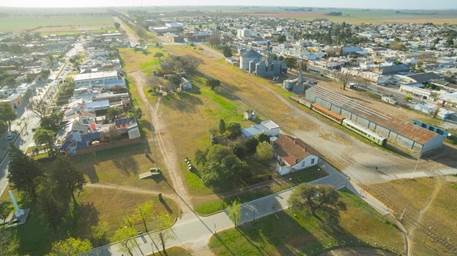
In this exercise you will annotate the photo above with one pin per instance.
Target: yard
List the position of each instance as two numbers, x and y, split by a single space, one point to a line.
288 233
428 206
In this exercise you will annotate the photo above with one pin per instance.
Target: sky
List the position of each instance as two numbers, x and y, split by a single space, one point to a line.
379 4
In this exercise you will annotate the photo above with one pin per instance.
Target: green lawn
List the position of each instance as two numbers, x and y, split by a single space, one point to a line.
176 251
212 206
289 233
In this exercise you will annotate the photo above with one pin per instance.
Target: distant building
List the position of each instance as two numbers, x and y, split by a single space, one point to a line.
248 57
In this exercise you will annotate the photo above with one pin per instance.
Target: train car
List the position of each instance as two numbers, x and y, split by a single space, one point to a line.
327 113
369 134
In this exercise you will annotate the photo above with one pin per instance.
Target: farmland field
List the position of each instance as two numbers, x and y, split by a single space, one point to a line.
56 24
359 16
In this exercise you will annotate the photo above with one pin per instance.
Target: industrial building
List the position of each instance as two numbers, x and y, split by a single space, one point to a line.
402 135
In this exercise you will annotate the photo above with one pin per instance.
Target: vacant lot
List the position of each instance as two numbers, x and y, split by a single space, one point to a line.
56 23
288 233
428 207
121 166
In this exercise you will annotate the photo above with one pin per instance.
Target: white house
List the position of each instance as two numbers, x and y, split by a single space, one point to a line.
293 155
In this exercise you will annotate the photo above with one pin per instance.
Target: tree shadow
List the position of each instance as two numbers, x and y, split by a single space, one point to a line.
184 102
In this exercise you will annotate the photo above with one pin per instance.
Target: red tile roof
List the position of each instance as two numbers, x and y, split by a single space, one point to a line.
291 150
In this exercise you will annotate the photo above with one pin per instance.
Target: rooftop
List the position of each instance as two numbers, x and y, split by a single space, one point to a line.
402 127
292 150
96 75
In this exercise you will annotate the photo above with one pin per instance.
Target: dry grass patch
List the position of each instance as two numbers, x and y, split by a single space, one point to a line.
437 227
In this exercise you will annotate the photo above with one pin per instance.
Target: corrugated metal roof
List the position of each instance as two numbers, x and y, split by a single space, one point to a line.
402 127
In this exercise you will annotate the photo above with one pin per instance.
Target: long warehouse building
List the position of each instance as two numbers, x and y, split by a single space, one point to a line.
402 135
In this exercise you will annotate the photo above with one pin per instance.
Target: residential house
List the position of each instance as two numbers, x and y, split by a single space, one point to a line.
293 155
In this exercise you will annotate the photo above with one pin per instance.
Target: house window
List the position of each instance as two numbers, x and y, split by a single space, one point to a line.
312 161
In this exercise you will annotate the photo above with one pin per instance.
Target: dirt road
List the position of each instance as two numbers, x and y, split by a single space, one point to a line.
164 142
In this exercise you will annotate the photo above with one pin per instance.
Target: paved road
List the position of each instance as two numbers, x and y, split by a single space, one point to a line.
194 232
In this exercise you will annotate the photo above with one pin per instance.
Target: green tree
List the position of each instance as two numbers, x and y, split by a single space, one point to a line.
145 212
52 122
213 83
251 145
158 55
317 199
7 114
68 181
291 62
234 211
200 157
5 209
227 51
233 130
125 236
222 127
9 242
163 222
264 152
23 173
113 113
70 246
222 165
46 137
98 233
52 206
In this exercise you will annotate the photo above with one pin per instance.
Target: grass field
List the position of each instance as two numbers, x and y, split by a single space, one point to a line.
360 16
437 226
176 251
121 166
289 233
207 207
97 206
56 23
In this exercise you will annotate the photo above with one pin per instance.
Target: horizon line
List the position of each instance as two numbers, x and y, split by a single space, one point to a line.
238 5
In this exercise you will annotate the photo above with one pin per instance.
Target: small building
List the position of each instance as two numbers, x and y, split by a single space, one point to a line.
249 115
293 155
267 127
185 84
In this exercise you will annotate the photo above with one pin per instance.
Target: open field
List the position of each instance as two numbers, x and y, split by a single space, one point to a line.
201 109
56 23
429 207
347 153
97 206
289 233
121 166
359 16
